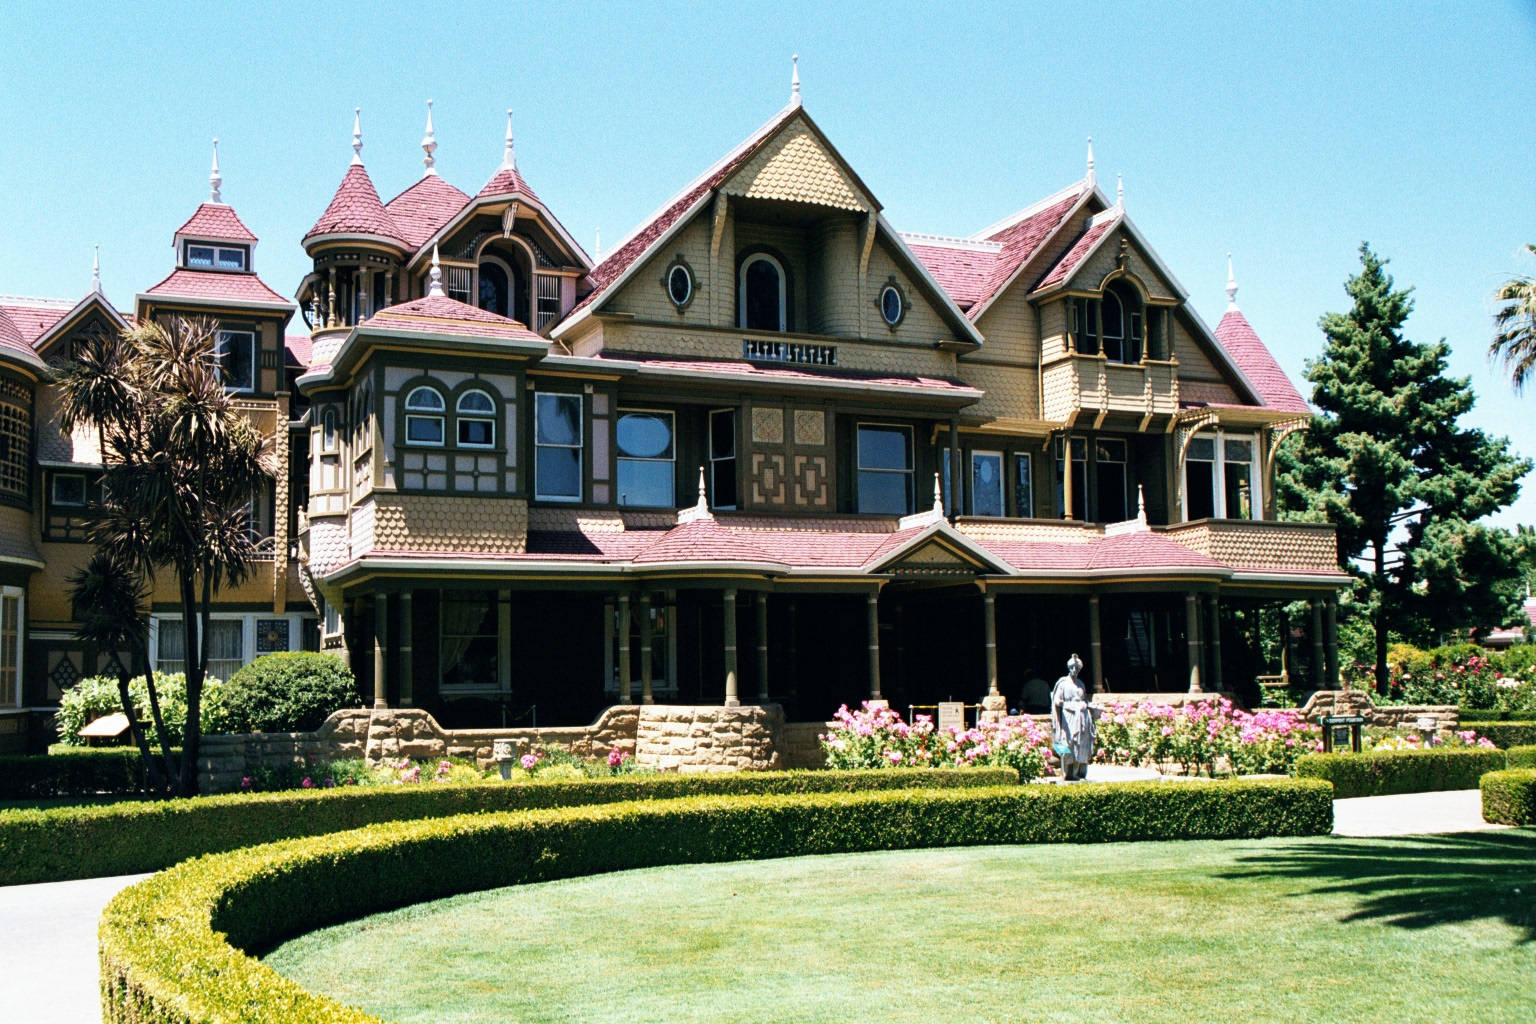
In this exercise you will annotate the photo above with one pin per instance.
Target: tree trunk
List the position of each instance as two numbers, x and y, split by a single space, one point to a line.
154 778
194 619
1381 616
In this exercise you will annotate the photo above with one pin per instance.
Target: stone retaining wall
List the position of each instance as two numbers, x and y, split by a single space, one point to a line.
709 738
1389 716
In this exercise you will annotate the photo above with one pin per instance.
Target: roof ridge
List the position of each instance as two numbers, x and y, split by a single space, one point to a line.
1039 205
37 300
951 242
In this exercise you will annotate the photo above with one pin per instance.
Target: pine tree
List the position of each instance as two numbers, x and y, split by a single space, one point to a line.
1386 462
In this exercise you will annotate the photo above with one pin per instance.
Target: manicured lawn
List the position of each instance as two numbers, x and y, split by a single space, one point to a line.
1438 928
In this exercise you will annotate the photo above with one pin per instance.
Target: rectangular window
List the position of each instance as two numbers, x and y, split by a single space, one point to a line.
1200 479
236 352
226 647
215 257
332 618
557 439
885 469
1079 479
646 459
69 489
948 483
1237 477
722 458
1109 475
469 648
1221 477
986 483
1085 334
1023 486
10 647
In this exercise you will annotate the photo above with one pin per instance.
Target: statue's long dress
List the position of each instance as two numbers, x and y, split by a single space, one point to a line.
1071 720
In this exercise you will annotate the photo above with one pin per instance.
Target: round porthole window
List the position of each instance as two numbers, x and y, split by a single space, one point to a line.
892 305
679 285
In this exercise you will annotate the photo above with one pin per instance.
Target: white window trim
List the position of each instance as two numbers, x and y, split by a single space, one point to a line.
579 447
680 268
219 353
439 414
619 456
330 431
1027 486
901 305
741 290
53 490
858 464
20 595
217 249
1002 491
460 414
247 632
1219 483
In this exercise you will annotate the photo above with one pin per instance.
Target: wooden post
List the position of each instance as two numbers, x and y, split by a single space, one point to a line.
729 607
761 600
380 657
872 603
1331 641
1192 636
1096 643
989 609
646 697
1213 643
625 688
407 695
1066 476
956 476
1319 661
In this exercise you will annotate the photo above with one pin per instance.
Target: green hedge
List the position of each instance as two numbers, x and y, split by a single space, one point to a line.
165 961
1503 734
1486 715
120 839
1400 771
1509 797
289 691
73 772
1521 757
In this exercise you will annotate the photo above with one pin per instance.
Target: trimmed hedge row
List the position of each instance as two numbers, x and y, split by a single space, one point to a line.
1381 773
1509 797
119 839
163 960
73 771
1503 734
1488 715
1521 757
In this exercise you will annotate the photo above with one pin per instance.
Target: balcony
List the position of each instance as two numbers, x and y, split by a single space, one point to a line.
1261 544
1074 383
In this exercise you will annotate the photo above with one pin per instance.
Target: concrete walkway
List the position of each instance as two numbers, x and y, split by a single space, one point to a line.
51 969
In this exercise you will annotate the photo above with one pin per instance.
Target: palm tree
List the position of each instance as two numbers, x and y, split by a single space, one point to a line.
1514 342
180 466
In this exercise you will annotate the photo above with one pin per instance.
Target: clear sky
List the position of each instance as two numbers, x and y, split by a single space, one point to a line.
1284 133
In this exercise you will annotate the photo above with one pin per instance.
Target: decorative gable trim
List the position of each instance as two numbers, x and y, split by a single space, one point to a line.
72 319
941 550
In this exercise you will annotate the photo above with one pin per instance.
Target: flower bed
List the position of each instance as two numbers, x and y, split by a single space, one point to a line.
172 947
1206 736
877 737
1413 741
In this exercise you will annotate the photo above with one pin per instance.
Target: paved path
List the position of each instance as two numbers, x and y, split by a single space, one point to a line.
50 961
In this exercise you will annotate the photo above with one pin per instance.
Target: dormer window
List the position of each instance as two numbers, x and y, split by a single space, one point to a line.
216 257
763 296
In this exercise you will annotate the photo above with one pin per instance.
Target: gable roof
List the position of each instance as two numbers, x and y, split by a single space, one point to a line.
1242 344
507 182
216 222
1082 250
355 209
419 211
960 265
67 322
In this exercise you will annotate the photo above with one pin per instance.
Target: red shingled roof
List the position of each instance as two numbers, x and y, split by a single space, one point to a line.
422 209
961 272
1022 240
1079 252
32 318
705 540
301 349
789 374
215 284
356 210
438 314
10 335
1250 355
507 182
217 222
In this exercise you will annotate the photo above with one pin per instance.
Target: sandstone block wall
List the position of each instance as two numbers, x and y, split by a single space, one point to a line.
1390 716
709 738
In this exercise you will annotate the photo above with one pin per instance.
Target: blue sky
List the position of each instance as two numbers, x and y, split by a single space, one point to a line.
1285 136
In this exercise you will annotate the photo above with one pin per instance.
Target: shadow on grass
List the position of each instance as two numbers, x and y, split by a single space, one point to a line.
1418 882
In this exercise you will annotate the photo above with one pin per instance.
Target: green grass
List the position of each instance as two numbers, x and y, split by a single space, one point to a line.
1281 929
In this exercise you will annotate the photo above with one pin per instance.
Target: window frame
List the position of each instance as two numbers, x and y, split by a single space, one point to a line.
892 287
679 265
717 462
1218 464
620 458
216 251
462 416
13 647
747 262
53 490
425 414
1023 485
1124 462
859 469
221 352
579 447
977 455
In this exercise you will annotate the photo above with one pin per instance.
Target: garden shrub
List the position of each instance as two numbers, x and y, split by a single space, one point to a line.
877 737
1198 735
171 947
87 842
1489 715
1521 757
1474 677
290 691
1509 797
1400 771
1504 734
74 771
95 696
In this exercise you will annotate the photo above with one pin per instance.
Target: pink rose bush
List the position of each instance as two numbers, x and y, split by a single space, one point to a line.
877 737
1413 741
1209 735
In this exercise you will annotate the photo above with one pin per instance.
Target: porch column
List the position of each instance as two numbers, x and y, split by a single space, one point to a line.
731 699
407 694
1066 477
1319 662
646 696
1213 606
1192 636
956 487
1285 646
989 608
760 599
872 603
624 670
380 642
1096 642
1331 640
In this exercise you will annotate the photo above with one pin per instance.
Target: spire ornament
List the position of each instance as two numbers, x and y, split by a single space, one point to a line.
1091 178
1231 286
215 179
597 246
699 512
1120 190
794 81
508 156
357 136
435 278
96 271
429 143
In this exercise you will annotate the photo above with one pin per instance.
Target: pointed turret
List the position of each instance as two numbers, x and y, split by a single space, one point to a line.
96 271
1242 343
215 179
1091 178
355 211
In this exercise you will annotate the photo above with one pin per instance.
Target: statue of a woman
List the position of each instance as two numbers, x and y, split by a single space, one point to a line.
1072 718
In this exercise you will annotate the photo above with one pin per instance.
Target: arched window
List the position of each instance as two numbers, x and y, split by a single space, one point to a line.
1113 337
762 299
494 287
1122 313
476 420
328 431
424 416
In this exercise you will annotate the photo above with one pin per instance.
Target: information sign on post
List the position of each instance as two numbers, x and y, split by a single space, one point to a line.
951 715
1339 729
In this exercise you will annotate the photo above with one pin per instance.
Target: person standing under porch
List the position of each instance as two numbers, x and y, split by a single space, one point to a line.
1072 723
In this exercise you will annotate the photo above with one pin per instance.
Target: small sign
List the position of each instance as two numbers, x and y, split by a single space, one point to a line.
1339 730
1343 719
951 715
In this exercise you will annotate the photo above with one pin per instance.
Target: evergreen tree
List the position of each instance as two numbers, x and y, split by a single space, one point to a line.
1386 462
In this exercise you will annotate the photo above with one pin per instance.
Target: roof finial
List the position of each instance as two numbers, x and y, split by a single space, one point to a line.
794 81
703 492
215 179
508 158
938 497
1091 177
1120 190
435 279
429 143
357 136
96 271
1231 285
597 245
1141 505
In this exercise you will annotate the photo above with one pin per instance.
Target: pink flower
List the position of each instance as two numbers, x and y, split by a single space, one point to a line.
894 756
245 783
529 762
308 783
616 757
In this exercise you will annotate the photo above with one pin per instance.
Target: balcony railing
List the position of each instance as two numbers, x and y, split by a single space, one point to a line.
1075 382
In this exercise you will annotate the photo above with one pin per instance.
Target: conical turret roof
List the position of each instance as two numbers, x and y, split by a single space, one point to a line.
355 209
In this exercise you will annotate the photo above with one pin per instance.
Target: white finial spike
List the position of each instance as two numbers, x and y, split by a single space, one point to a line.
357 136
508 157
794 81
1231 285
435 278
597 245
1120 191
703 492
938 496
1141 505
96 271
215 179
429 143
1091 177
